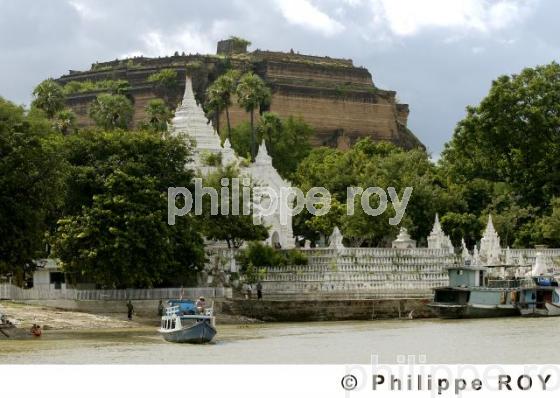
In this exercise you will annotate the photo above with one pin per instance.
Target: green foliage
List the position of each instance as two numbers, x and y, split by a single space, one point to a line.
115 229
462 226
31 185
504 156
257 254
64 122
49 97
252 93
158 116
218 97
287 141
370 164
241 139
111 112
512 136
240 41
234 229
212 159
109 86
549 226
166 84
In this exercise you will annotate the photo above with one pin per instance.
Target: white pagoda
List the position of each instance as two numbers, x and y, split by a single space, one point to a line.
438 239
490 249
191 123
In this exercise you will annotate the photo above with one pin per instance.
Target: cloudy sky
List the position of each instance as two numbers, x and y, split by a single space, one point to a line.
439 55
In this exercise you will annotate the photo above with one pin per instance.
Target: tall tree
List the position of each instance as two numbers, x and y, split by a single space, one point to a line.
111 112
158 115
252 93
115 230
31 186
287 140
512 136
49 97
219 96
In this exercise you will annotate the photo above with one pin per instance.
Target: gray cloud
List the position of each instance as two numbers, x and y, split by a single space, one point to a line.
438 63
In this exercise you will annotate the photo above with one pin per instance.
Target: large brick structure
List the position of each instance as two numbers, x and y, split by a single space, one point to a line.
338 99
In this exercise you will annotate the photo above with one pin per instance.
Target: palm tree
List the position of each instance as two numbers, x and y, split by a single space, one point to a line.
214 104
49 97
252 93
219 96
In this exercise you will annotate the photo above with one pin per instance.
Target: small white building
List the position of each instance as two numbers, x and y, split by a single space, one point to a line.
48 275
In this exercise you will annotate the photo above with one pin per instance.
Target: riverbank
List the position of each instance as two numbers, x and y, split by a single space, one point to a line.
322 309
51 318
23 316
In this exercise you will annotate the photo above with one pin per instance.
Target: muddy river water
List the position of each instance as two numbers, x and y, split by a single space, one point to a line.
500 340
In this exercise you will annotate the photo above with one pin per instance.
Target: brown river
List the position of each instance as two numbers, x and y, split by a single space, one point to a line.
499 340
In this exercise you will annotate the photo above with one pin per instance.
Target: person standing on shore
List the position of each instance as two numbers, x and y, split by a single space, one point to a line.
160 308
259 291
130 309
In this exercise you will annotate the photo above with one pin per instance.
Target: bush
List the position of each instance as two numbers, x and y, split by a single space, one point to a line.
212 159
258 254
296 257
110 86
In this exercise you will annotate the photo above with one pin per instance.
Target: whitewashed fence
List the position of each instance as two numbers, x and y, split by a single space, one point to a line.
11 292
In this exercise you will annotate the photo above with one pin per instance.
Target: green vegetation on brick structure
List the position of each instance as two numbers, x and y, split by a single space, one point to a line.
166 84
111 111
109 86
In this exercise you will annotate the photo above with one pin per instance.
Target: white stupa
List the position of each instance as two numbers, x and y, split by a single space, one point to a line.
191 123
403 241
438 239
336 239
490 245
465 255
540 266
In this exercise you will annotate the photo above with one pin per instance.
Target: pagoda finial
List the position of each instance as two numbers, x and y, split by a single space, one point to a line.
490 225
263 158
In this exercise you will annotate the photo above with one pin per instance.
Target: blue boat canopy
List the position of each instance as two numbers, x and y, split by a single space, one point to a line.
186 307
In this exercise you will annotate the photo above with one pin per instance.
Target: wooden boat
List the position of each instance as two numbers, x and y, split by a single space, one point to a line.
470 295
540 297
182 323
7 328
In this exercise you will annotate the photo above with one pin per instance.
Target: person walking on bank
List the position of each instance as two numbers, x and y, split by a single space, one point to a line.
130 309
160 308
259 291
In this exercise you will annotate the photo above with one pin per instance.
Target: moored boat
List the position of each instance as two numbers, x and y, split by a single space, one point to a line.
183 322
540 297
471 295
7 328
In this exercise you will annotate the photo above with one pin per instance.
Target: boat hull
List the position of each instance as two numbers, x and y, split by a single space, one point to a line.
199 333
549 310
454 311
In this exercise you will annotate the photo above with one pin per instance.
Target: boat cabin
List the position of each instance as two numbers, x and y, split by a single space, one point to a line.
467 276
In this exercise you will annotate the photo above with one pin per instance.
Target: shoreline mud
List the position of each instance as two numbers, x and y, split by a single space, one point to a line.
23 316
